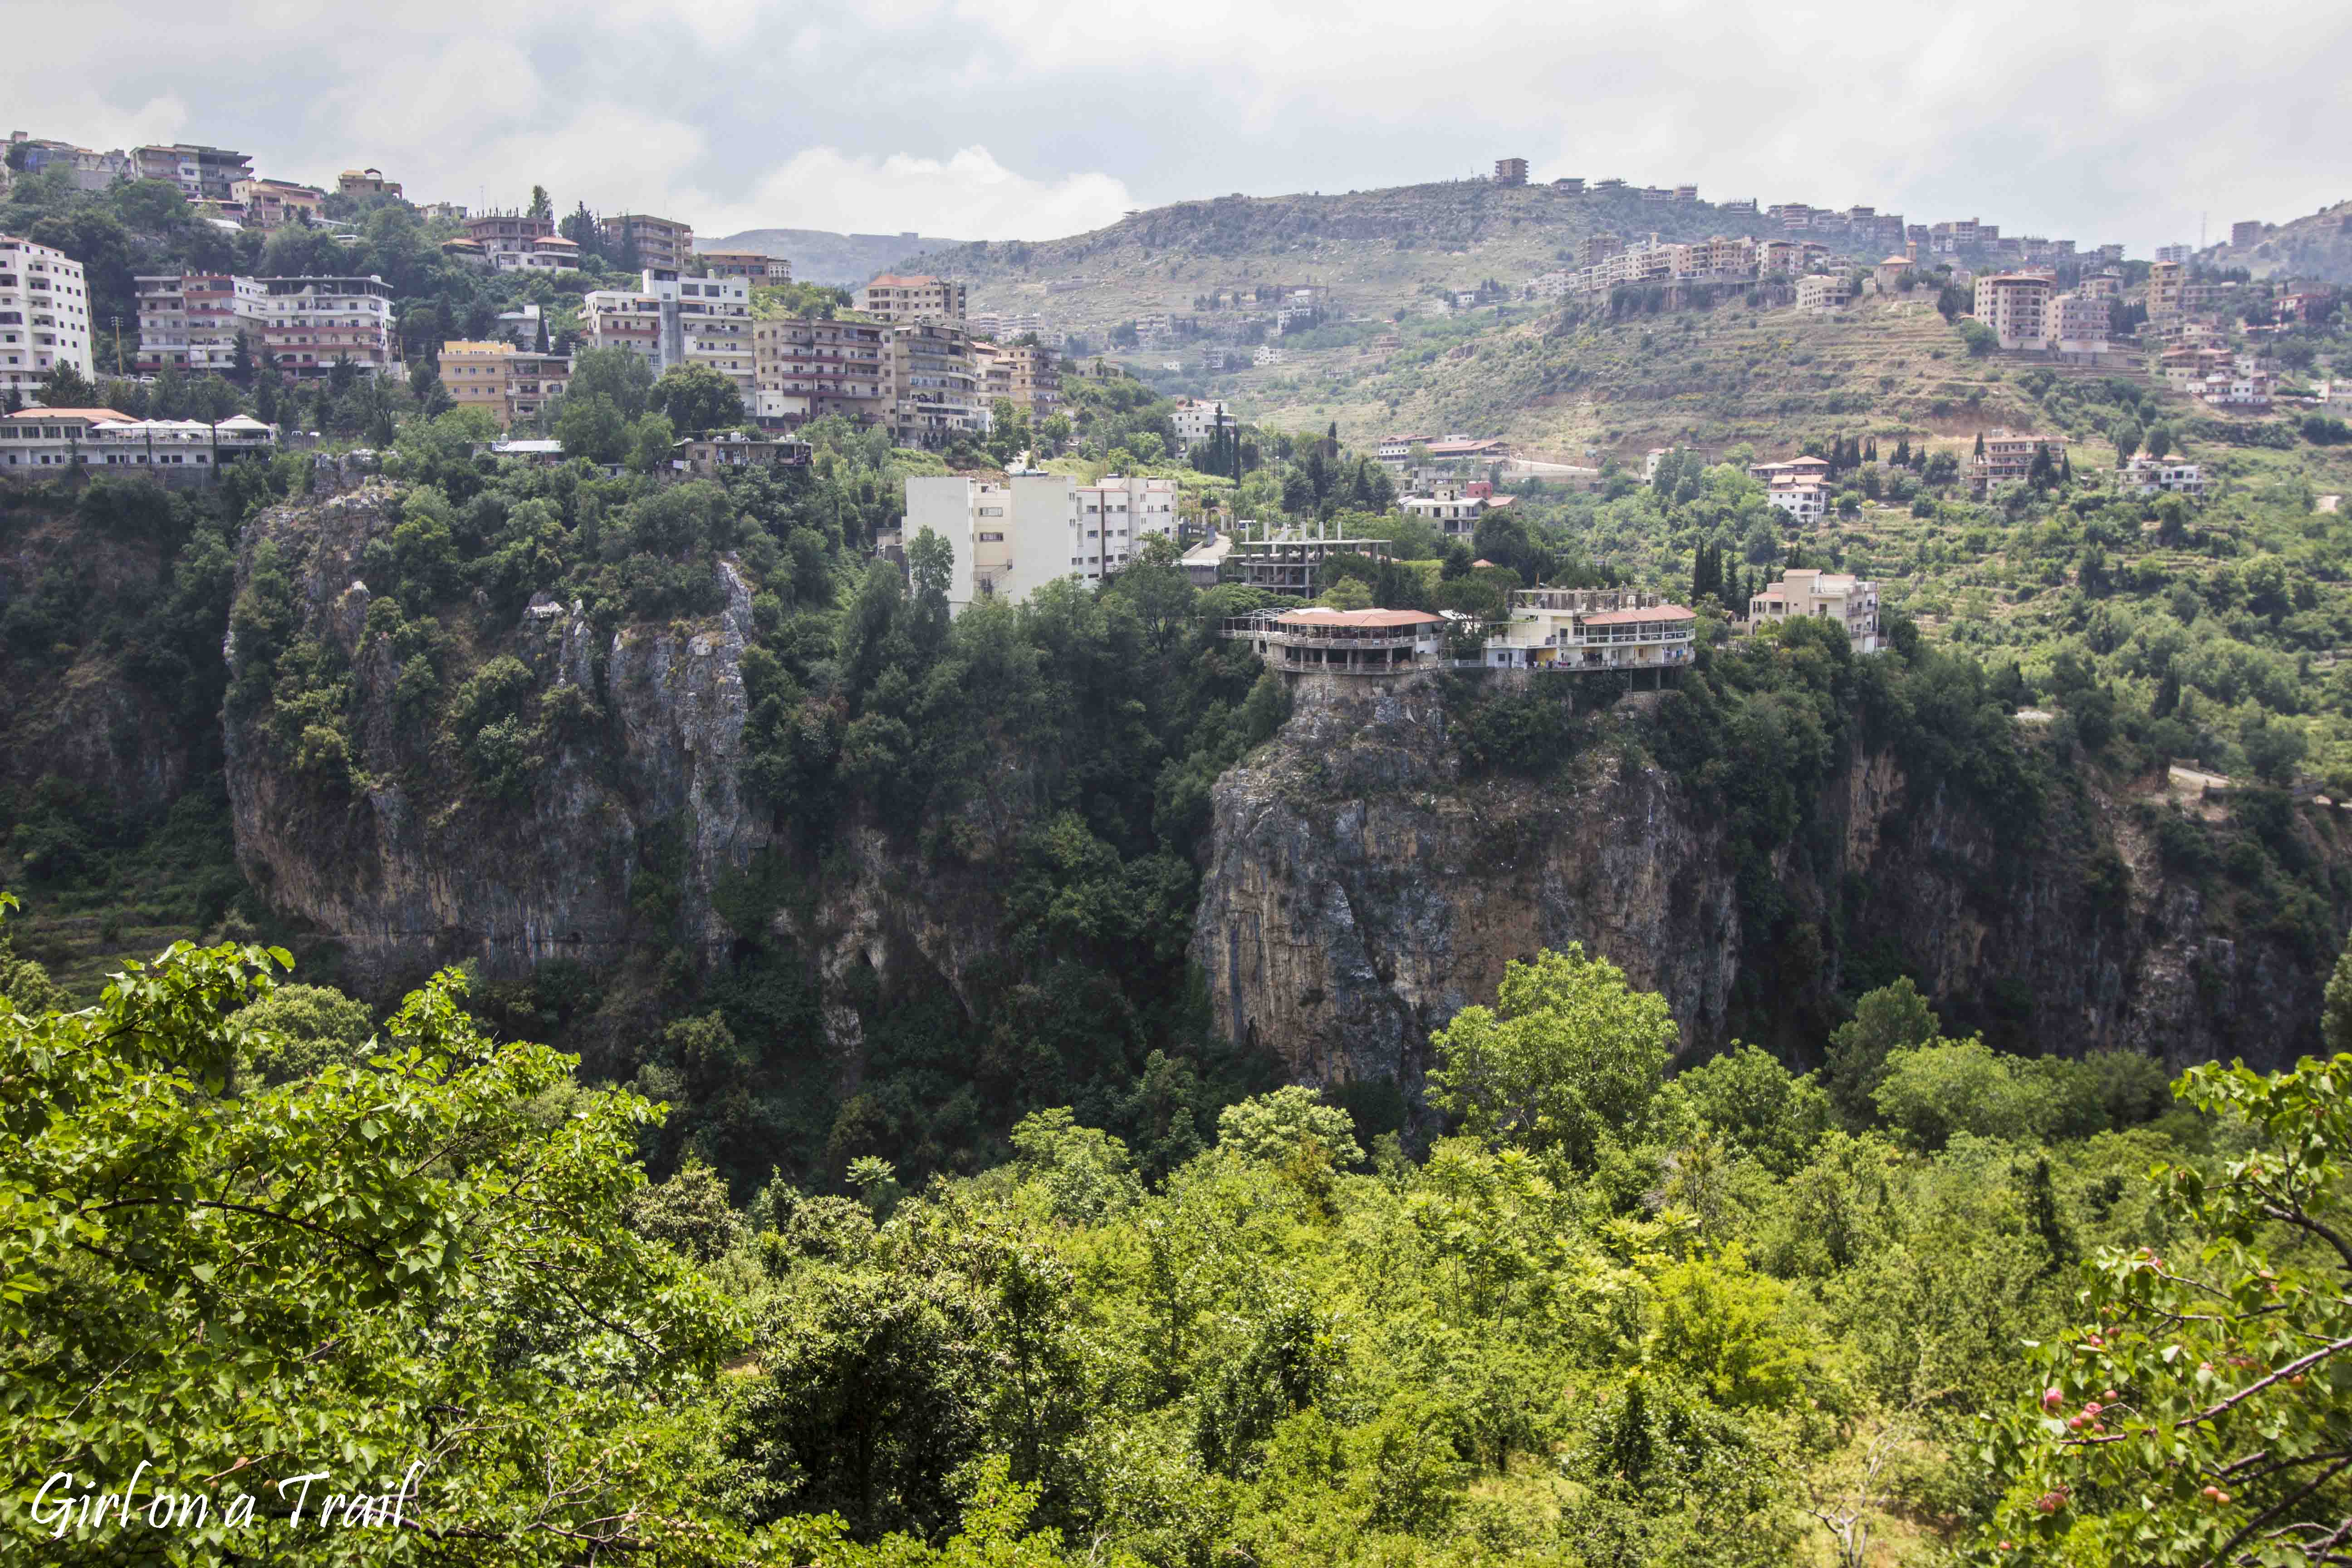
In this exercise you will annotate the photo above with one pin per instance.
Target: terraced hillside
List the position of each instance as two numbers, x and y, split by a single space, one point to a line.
1574 391
1378 251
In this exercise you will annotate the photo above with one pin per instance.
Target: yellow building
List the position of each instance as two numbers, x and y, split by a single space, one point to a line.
512 383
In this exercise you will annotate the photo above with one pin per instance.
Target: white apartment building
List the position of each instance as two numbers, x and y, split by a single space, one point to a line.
1824 291
44 316
2016 307
311 323
670 321
190 321
1451 512
1586 630
2146 476
913 298
1850 601
1806 499
1196 419
1011 539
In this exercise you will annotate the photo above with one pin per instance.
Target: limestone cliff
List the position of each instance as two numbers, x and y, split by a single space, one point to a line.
408 870
1359 891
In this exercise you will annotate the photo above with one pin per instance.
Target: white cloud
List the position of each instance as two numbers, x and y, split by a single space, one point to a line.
970 195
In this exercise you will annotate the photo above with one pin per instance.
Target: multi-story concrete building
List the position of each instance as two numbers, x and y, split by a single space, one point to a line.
1824 291
938 388
1841 597
512 385
1011 539
1019 374
2078 321
1805 497
1510 170
913 298
497 231
672 321
2247 234
202 173
366 183
2009 455
44 316
1449 509
662 244
2146 476
273 204
2165 281
753 267
804 368
1590 630
191 322
2016 307
544 253
1197 418
310 324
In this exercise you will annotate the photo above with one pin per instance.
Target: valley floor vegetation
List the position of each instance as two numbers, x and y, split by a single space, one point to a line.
1928 1299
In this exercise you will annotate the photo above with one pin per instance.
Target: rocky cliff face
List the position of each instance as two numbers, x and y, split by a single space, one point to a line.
408 873
630 827
1359 891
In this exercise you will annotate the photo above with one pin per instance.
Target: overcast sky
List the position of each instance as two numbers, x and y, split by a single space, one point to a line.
2093 120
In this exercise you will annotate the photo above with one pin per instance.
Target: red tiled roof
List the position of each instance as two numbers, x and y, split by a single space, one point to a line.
1321 617
1629 617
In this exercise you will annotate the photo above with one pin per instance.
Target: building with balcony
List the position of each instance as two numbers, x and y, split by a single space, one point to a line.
753 267
202 173
892 297
1450 509
1197 418
1287 559
1011 539
938 387
671 320
512 385
312 323
2166 280
191 322
1019 374
731 451
366 183
273 204
496 231
804 368
2009 455
1510 172
1320 641
546 253
2016 307
2146 476
1585 631
1824 292
1841 597
40 442
660 243
44 316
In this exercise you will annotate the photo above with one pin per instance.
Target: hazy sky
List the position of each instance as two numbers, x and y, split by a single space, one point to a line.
2094 119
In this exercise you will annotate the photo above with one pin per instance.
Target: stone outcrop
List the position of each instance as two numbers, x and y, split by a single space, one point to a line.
408 871
1359 891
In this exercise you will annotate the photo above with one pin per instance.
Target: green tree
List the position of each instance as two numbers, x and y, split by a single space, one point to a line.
542 206
1566 1063
332 1274
2198 1411
1893 1017
697 398
297 1030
